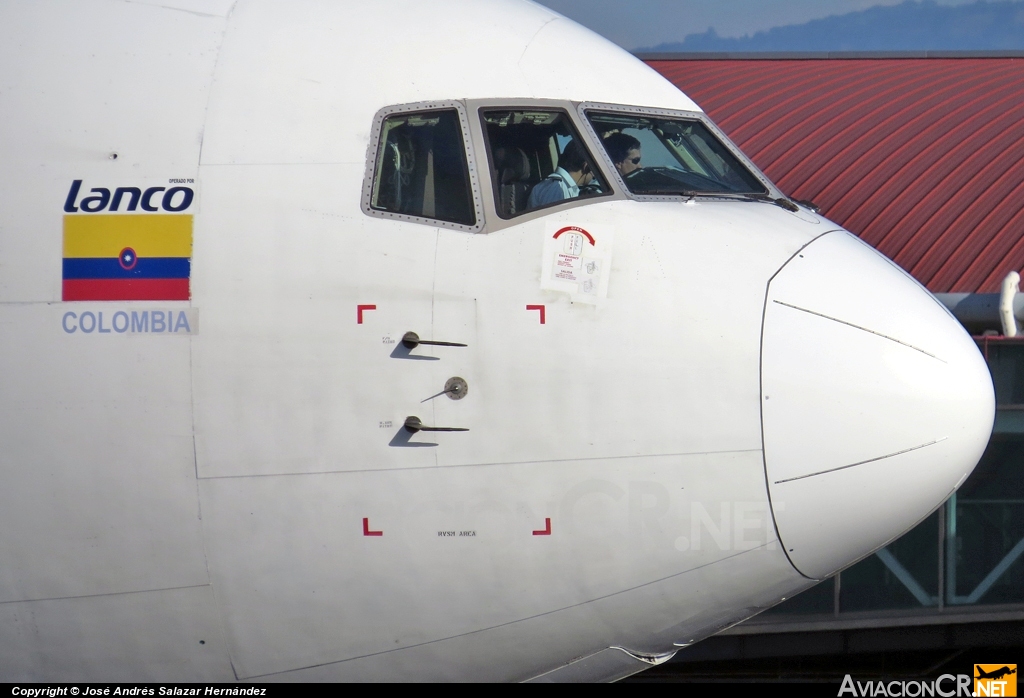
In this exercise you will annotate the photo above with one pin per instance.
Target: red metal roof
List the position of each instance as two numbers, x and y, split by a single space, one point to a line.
923 158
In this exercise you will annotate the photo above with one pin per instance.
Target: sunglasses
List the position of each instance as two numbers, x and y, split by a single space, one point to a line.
635 161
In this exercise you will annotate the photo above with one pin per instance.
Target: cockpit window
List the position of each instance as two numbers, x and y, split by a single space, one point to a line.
537 159
421 167
664 155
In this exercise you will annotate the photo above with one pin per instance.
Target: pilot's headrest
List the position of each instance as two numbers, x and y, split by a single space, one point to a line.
513 165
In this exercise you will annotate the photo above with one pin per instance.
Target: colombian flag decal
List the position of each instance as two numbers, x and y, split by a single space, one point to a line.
142 257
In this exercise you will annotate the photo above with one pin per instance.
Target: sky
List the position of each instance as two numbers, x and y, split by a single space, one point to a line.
638 23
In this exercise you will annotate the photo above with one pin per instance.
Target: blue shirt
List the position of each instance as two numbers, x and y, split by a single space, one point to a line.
559 185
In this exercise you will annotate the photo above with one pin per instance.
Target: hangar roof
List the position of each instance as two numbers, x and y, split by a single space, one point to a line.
922 155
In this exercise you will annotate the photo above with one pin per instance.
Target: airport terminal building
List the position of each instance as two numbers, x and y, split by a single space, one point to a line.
922 155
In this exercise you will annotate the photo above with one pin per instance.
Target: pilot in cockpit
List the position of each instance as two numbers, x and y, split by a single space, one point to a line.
624 151
572 174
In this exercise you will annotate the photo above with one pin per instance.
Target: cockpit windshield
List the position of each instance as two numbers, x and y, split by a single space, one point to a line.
671 155
538 160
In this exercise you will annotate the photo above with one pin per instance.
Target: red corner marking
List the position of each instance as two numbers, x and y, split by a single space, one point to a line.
368 532
545 532
576 229
540 308
359 312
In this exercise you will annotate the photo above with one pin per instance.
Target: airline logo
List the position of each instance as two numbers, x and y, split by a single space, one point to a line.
995 679
112 256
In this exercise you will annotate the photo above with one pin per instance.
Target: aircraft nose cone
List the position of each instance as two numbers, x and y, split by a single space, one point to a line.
876 404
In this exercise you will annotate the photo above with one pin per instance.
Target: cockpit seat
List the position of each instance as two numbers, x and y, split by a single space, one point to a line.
513 180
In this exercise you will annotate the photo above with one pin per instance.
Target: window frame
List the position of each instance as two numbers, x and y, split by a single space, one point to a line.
373 151
583 107
585 137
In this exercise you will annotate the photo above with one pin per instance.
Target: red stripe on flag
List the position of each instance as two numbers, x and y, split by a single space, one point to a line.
126 290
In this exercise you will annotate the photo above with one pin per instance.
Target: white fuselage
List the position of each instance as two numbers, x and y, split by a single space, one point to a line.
757 401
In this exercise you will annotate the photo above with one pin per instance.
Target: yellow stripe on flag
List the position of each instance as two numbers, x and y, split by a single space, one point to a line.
150 235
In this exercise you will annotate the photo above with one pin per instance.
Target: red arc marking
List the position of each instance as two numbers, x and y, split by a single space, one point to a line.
540 308
368 532
576 229
545 532
359 312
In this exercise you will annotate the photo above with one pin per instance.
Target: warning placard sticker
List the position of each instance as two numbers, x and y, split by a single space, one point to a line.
576 262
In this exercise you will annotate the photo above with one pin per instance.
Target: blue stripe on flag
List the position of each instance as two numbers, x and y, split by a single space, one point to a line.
145 268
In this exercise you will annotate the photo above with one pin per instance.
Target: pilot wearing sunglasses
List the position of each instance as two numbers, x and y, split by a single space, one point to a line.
624 150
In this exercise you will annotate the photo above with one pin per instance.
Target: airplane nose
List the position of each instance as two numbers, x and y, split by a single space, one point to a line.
876 404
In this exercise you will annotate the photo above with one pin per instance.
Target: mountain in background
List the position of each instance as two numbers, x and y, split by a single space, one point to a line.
910 26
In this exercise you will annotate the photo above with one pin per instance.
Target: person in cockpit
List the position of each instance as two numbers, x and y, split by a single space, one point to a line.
624 151
573 173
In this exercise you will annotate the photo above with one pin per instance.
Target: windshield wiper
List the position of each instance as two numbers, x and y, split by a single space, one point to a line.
751 196
786 203
718 194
